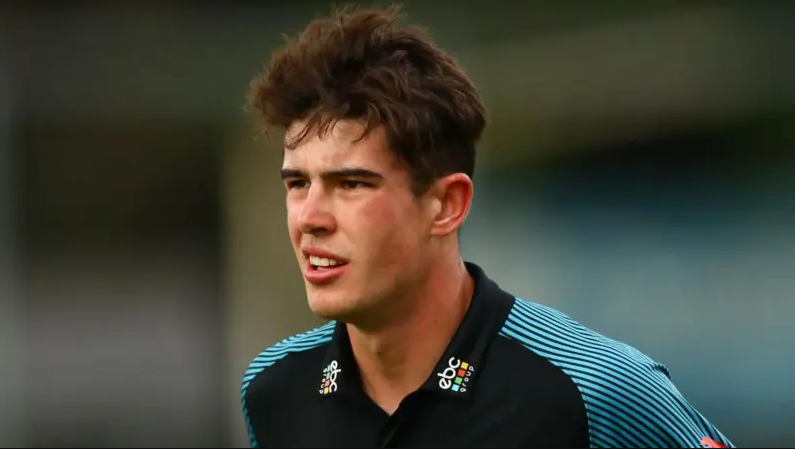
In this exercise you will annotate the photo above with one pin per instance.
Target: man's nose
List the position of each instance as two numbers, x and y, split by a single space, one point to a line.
316 216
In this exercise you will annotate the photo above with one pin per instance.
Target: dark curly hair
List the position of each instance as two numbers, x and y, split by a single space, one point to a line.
361 64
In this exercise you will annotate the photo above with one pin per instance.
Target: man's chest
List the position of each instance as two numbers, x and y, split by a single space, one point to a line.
339 422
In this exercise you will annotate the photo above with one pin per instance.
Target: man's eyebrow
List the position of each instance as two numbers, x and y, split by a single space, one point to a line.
288 173
351 172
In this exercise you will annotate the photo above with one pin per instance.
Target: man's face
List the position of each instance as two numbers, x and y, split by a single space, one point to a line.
357 229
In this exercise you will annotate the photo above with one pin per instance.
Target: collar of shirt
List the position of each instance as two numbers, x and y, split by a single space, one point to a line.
456 371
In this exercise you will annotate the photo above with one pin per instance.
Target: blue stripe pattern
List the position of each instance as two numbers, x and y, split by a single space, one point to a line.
297 343
629 399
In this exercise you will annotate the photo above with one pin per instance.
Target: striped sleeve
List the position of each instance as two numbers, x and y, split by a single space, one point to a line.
630 400
296 343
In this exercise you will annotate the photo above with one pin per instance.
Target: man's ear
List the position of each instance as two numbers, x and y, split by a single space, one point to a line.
453 197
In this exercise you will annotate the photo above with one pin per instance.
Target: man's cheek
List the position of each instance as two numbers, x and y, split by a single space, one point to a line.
380 213
292 217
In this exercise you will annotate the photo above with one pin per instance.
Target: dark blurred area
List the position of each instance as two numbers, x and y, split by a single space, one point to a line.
638 173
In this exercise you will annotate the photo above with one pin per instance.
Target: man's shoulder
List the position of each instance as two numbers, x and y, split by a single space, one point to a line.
288 351
629 398
279 370
583 353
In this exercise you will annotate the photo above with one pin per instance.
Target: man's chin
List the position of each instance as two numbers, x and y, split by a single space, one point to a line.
350 312
331 308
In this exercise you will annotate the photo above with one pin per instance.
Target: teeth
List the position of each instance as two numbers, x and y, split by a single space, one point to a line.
322 261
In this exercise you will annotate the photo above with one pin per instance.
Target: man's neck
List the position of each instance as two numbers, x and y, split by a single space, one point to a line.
397 359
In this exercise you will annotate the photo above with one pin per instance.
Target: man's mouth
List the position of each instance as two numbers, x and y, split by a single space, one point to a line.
324 263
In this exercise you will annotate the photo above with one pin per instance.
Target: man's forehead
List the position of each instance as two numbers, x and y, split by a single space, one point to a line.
341 147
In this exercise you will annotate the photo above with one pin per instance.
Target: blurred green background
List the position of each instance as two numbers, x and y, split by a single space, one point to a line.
638 173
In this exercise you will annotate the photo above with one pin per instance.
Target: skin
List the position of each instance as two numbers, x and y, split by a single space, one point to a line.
404 288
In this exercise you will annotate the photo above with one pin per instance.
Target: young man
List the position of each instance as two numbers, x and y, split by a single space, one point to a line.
421 348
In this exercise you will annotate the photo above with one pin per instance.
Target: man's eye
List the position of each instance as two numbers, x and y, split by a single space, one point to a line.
297 184
351 185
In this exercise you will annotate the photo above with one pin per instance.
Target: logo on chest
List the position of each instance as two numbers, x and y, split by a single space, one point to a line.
329 382
456 376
